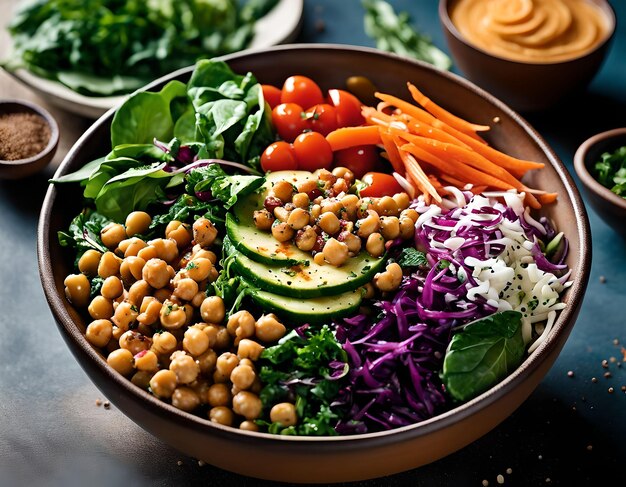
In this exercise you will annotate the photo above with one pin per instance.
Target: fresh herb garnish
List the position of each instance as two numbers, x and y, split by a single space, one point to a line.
610 171
410 257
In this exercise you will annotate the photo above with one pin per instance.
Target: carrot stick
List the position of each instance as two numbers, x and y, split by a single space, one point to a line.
547 198
392 153
347 137
443 114
417 174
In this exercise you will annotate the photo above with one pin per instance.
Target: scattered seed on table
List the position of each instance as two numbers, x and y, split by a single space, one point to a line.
612 360
570 373
611 390
573 408
179 463
509 470
485 483
589 447
607 375
623 388
540 457
548 480
500 479
594 380
615 341
602 279
605 364
98 402
496 119
107 405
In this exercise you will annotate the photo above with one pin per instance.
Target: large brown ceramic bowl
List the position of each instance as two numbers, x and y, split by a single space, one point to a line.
525 86
610 207
314 459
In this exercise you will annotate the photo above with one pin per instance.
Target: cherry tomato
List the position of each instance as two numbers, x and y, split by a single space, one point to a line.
289 121
301 90
380 184
322 118
278 156
312 152
360 159
271 95
348 108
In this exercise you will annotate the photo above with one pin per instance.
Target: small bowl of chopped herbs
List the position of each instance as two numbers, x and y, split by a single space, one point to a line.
600 163
29 136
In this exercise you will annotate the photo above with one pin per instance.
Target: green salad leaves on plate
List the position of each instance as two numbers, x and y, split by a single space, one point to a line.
111 47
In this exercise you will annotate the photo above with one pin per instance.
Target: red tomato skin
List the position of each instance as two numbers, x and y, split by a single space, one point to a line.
271 95
312 152
278 156
380 184
348 108
288 121
360 159
301 90
322 118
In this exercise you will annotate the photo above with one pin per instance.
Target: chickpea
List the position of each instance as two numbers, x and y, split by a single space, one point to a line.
226 362
407 228
109 265
335 252
142 378
88 262
345 173
147 361
162 294
368 225
410 213
298 219
165 248
179 232
249 349
350 202
247 404
212 309
314 213
325 175
220 378
283 190
301 200
112 287
306 238
387 206
247 362
390 227
200 253
389 280
116 334
149 311
213 275
282 232
164 343
352 241
219 395
185 398
137 292
263 219
204 232
125 314
163 383
241 325
112 234
121 360
131 246
242 376
268 329
340 186
221 415
222 339
100 308
77 289
402 201
329 223
134 342
196 342
282 214
185 367
99 332
248 426
199 268
207 362
284 413
318 258
375 245
308 186
137 222
156 273
330 206
131 269
201 388
370 292
186 289
172 316
147 253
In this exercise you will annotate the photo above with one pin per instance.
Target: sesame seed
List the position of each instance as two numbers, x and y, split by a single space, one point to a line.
500 479
496 119
607 375
540 457
509 471
179 463
602 279
612 360
611 390
589 447
570 373
98 402
615 341
548 480
594 380
485 483
201 463
605 364
623 388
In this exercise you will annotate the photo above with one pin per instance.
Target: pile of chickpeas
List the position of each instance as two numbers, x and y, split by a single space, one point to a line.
157 326
321 217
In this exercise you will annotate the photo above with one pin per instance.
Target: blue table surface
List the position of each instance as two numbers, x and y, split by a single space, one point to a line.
571 431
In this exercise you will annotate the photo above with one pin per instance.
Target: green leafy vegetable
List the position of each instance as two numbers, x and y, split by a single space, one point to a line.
84 233
299 369
482 354
108 47
222 186
393 33
96 286
610 171
410 257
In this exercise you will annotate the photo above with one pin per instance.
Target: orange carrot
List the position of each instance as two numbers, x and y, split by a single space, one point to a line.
347 137
417 174
392 153
547 198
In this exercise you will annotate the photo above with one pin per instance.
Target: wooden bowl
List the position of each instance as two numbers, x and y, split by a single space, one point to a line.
25 167
525 86
343 458
610 207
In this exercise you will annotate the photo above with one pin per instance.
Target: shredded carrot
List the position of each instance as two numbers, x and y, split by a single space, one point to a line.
417 174
392 153
347 137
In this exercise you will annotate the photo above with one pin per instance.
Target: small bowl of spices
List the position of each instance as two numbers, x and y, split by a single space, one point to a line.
29 136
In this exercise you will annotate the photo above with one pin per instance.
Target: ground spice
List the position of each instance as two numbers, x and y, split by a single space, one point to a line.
22 135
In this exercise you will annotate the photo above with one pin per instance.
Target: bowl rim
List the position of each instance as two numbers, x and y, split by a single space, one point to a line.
49 119
444 16
580 165
531 364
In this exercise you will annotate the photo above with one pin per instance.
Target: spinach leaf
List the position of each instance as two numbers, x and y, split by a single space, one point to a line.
410 257
482 354
610 171
186 209
84 233
393 33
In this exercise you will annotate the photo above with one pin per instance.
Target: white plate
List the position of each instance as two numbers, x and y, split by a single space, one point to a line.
282 24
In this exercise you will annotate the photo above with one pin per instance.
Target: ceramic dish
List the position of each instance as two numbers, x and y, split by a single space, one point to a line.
341 458
282 24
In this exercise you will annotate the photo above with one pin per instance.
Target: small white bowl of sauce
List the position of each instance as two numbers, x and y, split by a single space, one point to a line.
530 53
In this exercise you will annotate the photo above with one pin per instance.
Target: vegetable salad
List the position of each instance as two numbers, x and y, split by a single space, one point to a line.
289 260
